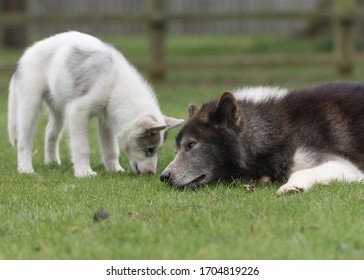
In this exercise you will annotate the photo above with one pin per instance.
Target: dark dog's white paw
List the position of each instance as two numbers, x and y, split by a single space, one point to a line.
290 189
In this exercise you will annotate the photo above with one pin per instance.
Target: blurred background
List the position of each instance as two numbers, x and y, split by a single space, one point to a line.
203 42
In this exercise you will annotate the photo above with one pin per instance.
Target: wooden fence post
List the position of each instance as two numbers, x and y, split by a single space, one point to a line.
13 36
344 24
156 32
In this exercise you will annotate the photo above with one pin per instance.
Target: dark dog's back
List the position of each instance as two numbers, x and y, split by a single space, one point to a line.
328 118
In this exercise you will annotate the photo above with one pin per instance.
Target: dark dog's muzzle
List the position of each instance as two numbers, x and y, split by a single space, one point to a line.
166 177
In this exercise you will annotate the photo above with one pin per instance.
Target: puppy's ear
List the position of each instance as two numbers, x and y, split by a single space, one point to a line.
172 122
192 109
227 112
155 129
149 126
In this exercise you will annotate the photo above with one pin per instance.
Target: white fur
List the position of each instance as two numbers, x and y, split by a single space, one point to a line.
124 103
260 94
306 173
302 159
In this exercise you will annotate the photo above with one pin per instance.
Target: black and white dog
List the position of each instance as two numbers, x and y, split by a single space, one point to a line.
307 136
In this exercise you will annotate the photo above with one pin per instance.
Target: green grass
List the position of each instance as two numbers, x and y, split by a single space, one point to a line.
49 215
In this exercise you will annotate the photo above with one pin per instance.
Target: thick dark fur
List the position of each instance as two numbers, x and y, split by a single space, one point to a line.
242 139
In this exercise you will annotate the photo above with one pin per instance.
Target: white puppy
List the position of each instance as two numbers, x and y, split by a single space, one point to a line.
79 77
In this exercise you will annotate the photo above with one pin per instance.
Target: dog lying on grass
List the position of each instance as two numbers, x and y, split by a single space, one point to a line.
79 77
307 136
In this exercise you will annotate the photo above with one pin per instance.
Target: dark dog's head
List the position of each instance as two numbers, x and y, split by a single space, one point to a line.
206 147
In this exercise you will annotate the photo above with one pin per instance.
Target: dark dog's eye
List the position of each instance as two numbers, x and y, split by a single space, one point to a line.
150 151
190 145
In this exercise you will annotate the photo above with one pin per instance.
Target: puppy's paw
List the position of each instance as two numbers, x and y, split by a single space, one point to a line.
26 169
52 161
81 173
114 168
290 189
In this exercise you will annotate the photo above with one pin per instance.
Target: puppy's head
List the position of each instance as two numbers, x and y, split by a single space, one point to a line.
144 140
206 147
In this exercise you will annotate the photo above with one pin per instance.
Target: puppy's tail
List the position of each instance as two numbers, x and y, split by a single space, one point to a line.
12 112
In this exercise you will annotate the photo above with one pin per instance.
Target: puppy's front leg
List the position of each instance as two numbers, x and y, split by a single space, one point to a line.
78 116
109 147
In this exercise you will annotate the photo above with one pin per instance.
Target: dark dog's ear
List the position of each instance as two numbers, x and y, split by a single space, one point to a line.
192 109
227 112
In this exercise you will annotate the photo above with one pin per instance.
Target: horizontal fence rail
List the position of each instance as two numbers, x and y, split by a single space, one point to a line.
21 19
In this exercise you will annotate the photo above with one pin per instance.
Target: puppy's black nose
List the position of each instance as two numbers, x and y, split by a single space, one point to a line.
165 176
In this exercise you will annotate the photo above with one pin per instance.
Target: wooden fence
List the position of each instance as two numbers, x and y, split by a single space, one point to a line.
344 15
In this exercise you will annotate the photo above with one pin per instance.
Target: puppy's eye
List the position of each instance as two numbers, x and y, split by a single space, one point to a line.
150 151
190 145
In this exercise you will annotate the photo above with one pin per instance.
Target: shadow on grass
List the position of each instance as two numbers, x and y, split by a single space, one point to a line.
248 186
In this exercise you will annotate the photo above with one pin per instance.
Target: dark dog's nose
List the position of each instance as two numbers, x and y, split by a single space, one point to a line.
165 176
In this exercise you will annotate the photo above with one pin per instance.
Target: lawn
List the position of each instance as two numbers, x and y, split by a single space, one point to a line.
50 215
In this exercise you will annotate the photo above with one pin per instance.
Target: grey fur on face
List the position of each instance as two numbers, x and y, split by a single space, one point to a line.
149 141
85 65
